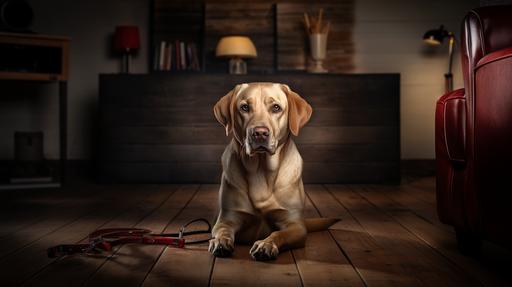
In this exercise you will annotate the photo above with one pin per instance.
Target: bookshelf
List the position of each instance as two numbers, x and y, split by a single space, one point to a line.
33 57
177 34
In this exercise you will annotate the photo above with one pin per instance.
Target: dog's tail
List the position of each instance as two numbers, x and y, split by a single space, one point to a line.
319 224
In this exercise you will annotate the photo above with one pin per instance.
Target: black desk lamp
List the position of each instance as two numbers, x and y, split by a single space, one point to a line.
436 37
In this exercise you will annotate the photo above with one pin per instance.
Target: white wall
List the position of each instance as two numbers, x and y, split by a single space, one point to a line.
387 38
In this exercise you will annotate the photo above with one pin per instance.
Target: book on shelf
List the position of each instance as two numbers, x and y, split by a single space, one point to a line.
183 59
168 59
162 55
176 56
193 55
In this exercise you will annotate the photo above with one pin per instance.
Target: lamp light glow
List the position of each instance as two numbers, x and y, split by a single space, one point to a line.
435 36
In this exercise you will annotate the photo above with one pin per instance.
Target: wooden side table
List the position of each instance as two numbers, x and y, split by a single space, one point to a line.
42 58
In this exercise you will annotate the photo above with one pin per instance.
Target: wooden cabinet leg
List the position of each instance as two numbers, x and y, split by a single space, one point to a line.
63 126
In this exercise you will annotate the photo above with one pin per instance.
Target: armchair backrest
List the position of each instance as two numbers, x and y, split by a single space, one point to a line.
485 30
487 71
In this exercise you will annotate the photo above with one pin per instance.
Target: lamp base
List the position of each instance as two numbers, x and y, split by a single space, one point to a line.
448 82
237 66
126 62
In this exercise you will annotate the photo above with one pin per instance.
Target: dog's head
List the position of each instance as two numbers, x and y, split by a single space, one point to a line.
261 115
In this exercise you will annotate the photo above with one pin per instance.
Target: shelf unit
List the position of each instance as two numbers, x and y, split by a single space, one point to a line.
45 59
171 21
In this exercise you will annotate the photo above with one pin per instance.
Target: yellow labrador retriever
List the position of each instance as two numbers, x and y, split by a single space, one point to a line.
261 192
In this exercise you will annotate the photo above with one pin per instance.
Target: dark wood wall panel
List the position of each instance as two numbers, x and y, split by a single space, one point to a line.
212 134
345 115
177 20
211 152
252 19
159 128
292 41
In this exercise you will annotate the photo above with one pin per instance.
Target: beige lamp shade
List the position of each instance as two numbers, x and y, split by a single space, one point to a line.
236 46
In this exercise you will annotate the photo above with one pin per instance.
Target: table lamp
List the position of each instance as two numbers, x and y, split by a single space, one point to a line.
236 48
127 42
435 37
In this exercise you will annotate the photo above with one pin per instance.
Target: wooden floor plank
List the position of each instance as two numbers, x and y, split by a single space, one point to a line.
439 239
22 265
16 218
420 193
388 236
321 262
242 270
366 255
19 210
79 269
406 254
190 266
405 195
132 262
427 184
58 213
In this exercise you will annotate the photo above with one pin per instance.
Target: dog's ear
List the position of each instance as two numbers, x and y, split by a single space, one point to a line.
299 111
224 109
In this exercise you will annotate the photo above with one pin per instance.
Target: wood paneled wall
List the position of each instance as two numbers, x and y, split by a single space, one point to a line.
292 41
275 27
157 128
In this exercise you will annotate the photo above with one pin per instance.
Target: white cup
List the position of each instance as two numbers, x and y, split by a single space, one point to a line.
318 46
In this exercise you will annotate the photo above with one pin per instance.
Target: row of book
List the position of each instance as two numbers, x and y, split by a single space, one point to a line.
176 56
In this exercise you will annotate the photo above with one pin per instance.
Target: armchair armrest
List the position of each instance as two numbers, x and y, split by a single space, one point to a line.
451 126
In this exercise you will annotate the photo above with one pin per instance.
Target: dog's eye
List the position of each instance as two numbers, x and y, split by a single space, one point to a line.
276 108
244 107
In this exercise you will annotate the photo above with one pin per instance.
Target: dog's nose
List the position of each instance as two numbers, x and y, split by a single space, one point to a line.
260 133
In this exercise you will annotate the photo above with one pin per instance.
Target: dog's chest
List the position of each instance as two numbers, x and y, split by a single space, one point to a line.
261 179
261 194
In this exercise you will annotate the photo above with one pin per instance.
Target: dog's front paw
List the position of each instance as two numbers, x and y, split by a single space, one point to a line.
221 247
262 250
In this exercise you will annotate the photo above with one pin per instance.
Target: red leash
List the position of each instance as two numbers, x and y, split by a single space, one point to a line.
104 239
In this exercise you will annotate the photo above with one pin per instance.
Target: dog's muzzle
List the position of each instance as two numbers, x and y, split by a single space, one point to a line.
259 140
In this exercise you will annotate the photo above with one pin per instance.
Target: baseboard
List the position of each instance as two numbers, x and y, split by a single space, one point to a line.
418 167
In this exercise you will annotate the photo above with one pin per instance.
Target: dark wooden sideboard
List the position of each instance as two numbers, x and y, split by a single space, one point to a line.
161 128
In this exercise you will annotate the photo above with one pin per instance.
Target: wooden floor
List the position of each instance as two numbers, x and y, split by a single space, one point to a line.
388 236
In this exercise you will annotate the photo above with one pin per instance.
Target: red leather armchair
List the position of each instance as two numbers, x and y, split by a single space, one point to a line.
474 134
